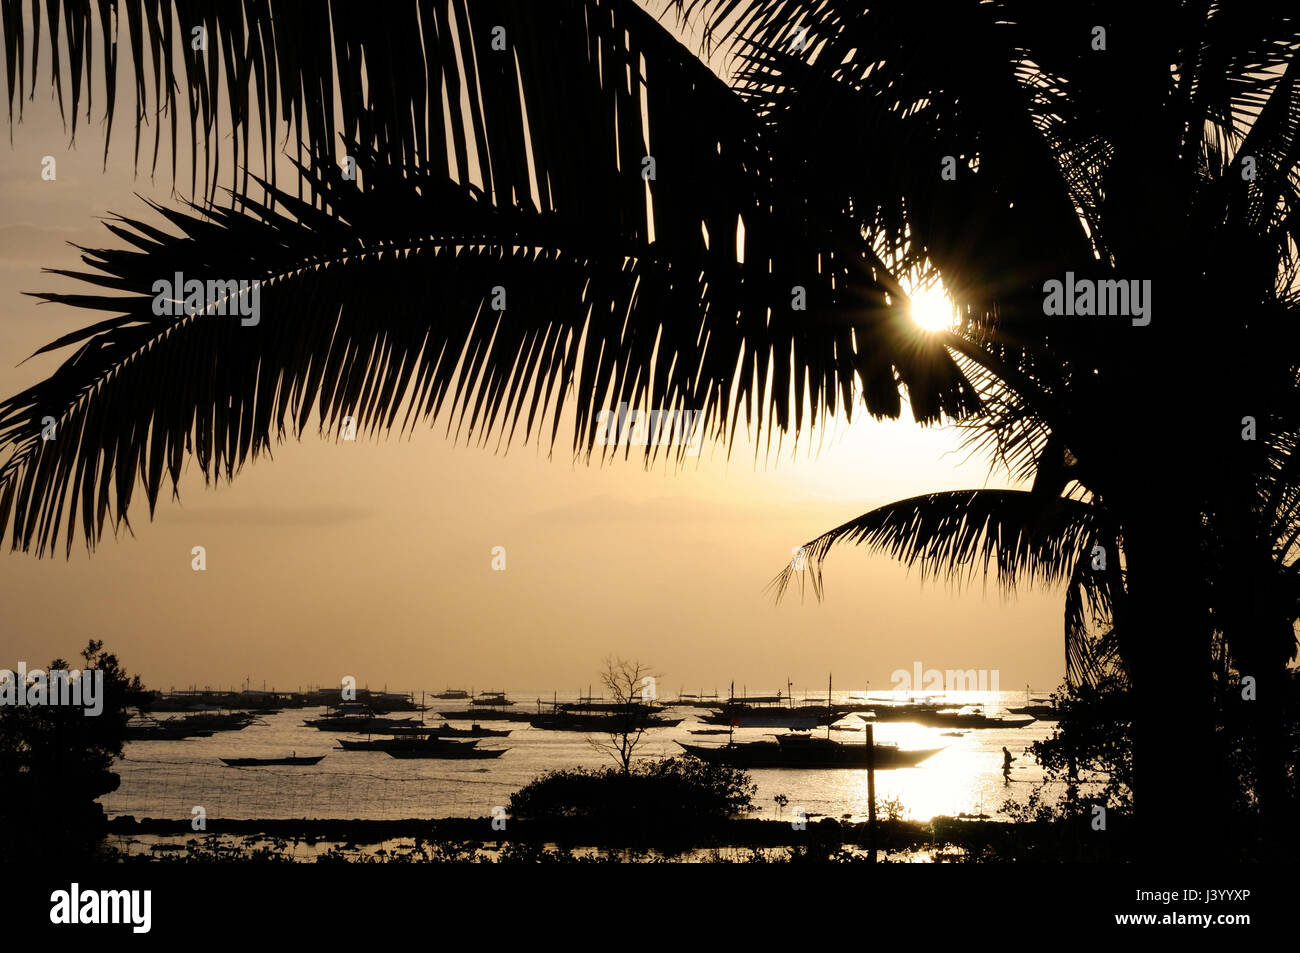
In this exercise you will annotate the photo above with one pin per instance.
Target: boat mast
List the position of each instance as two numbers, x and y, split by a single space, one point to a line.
828 706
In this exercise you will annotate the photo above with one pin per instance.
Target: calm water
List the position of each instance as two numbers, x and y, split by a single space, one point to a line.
168 778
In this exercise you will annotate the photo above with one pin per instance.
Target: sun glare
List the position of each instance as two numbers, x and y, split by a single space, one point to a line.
931 309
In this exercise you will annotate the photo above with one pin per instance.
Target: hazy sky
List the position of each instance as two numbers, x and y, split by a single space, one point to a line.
374 559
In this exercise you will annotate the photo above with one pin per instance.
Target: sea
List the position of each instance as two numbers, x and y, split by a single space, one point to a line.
168 779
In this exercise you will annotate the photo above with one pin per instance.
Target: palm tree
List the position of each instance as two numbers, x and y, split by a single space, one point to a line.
558 201
1139 134
1020 538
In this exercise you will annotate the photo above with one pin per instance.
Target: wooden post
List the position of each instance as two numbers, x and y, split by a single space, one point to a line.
871 790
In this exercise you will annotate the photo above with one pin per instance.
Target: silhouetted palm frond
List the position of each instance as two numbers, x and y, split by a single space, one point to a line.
413 295
1022 537
545 104
1094 600
1053 141
958 533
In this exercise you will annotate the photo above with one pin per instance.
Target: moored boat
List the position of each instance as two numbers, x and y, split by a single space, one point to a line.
218 721
770 718
491 699
935 716
485 714
254 762
357 717
398 744
960 719
600 721
1043 712
475 731
699 700
169 729
805 751
446 749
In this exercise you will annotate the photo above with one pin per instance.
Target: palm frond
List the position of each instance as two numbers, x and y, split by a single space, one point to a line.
1017 535
382 301
1093 600
541 103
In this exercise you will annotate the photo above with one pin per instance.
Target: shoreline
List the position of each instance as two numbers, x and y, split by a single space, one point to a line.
891 835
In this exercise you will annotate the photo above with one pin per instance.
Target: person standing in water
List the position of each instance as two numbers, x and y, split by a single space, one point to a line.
1006 764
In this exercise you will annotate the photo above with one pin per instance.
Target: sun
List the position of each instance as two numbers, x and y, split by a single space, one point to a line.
931 309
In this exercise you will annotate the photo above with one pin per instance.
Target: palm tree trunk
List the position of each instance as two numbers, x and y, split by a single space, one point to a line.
1178 789
1261 641
1270 757
1267 648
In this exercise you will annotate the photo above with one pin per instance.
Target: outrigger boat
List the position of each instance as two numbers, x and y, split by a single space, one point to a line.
491 699
1041 712
771 718
397 744
699 700
475 731
1042 708
252 762
431 731
591 714
961 719
587 705
934 716
485 714
149 728
199 725
353 716
445 749
600 721
806 751
773 711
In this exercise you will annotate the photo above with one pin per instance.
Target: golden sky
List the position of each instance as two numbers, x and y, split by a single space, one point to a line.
374 559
